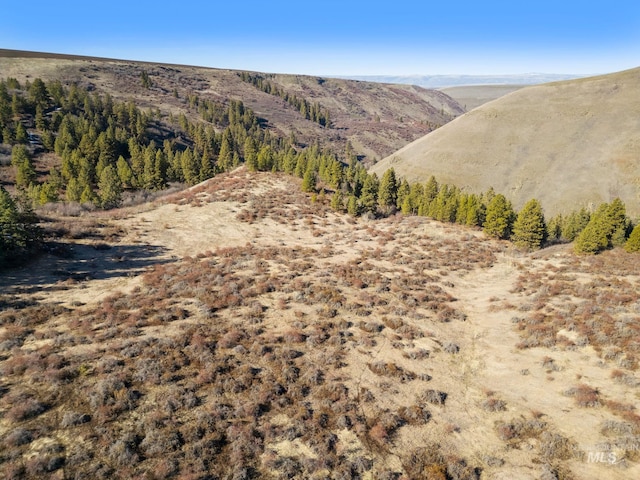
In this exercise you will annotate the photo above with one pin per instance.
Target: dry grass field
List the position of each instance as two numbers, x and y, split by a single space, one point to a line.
238 330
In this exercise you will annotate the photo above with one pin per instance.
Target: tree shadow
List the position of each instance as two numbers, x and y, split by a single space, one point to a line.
62 264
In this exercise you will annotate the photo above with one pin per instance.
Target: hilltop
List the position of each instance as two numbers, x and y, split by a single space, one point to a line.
569 144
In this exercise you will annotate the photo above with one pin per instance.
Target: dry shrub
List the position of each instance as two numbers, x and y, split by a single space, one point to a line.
520 429
436 397
584 395
390 369
493 405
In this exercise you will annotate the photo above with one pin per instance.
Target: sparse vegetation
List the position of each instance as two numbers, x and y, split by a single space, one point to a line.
244 328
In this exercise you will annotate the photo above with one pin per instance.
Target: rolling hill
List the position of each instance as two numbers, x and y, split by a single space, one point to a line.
377 119
569 144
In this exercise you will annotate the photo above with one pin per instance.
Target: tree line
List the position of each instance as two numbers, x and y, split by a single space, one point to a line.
107 147
357 192
310 110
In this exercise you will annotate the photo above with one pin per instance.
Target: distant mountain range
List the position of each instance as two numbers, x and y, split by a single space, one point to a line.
440 81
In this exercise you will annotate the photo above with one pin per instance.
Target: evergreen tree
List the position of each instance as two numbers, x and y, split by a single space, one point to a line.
190 168
595 236
309 180
431 190
124 171
633 242
48 193
369 195
88 195
554 228
404 189
9 227
353 208
250 154
529 229
25 170
110 188
21 135
475 212
225 157
337 201
499 218
18 229
266 161
74 190
607 228
619 223
388 191
574 223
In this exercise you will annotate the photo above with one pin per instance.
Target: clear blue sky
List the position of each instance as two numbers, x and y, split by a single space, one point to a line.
328 37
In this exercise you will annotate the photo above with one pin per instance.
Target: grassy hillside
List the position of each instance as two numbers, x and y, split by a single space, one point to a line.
569 144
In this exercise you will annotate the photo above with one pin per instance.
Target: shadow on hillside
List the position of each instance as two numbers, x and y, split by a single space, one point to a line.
63 265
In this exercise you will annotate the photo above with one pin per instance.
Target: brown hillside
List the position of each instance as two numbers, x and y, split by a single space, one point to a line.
569 144
238 330
376 118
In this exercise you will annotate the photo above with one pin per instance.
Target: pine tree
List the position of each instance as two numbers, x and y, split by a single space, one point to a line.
88 195
110 186
596 235
124 171
74 190
475 212
309 181
633 242
499 218
25 171
369 194
388 191
403 192
607 228
619 223
529 229
353 208
574 223
337 201
190 167
8 225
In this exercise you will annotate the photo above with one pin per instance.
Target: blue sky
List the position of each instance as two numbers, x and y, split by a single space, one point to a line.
328 37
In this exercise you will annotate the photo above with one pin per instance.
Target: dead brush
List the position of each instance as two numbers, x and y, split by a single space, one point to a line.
584 396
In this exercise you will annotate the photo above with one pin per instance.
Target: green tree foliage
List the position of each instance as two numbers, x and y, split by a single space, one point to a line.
309 181
388 191
499 218
633 242
607 228
337 201
369 196
18 230
573 224
25 170
529 229
110 185
144 78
